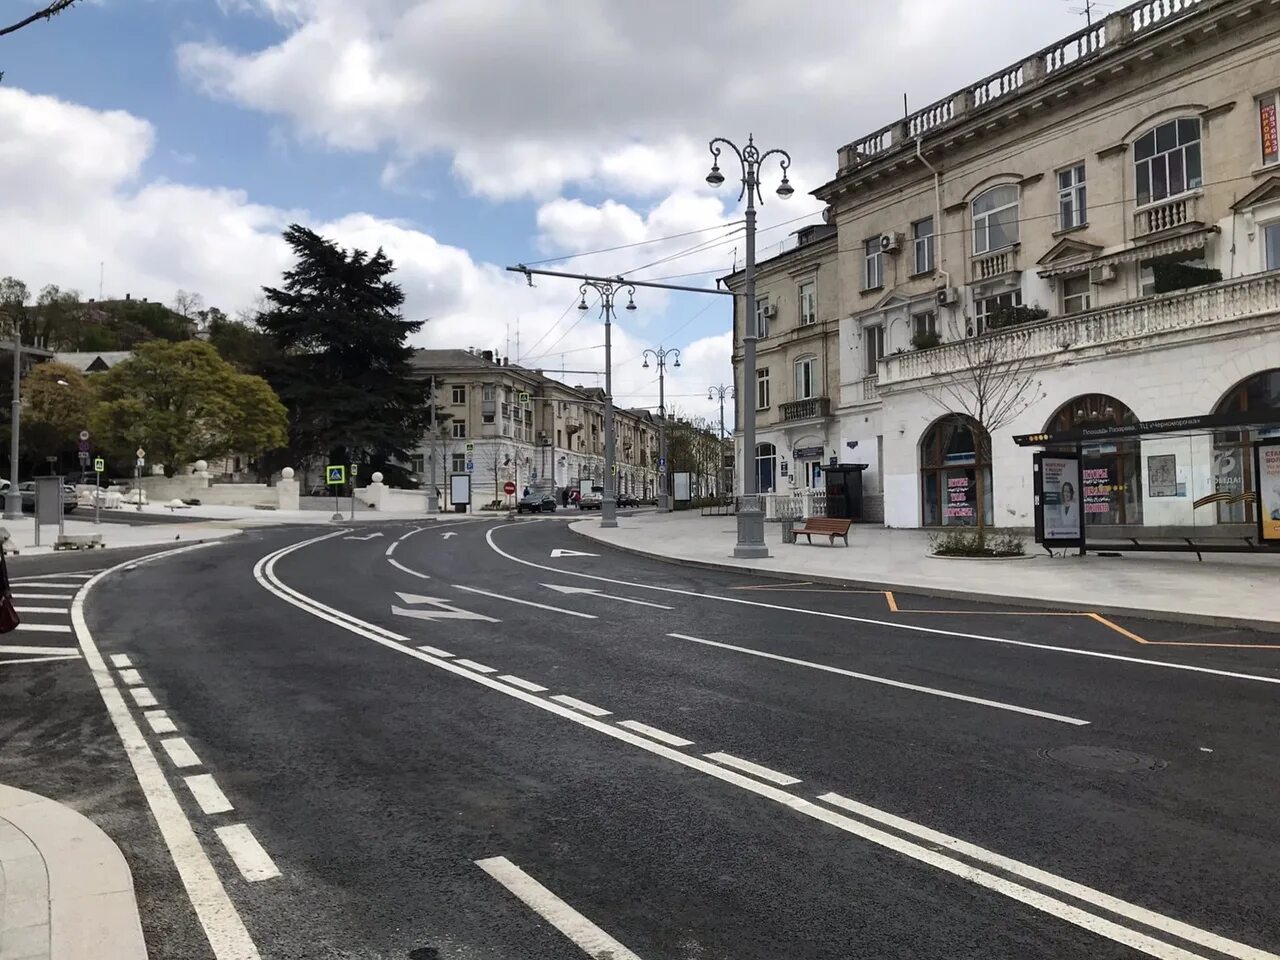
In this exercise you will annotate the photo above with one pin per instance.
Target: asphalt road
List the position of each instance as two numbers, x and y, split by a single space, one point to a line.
650 761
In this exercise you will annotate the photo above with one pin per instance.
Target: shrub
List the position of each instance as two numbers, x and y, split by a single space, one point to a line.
1013 316
925 340
966 542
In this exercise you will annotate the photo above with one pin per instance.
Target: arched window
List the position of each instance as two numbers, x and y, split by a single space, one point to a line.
808 383
995 218
955 473
766 467
1233 479
1166 160
1111 471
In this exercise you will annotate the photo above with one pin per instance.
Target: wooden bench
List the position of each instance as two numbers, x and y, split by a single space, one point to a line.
831 527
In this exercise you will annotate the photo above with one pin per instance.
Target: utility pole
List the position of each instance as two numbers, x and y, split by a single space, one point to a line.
750 543
660 356
12 498
720 390
432 506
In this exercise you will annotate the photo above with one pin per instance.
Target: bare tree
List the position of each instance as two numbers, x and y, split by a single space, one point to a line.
187 305
47 12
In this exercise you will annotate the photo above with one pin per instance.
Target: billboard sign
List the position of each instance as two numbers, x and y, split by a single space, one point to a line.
1266 467
1059 516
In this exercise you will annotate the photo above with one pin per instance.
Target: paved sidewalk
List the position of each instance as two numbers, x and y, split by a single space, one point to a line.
1225 590
66 892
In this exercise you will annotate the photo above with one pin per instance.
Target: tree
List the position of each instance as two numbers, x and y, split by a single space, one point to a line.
188 305
47 12
182 402
241 344
57 402
343 368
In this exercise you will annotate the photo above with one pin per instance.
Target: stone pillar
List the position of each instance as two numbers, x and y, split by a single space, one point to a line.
375 493
287 490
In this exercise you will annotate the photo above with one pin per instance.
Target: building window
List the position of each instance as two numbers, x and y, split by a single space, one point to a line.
762 317
1072 211
924 325
873 347
1271 240
459 463
806 378
1076 294
1111 472
995 219
488 392
459 429
873 265
922 236
1234 485
460 394
762 388
417 464
808 304
1267 110
766 467
486 417
955 473
1167 160
986 308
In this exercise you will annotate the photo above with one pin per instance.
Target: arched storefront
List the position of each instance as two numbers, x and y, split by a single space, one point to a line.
955 473
1111 471
1233 451
766 468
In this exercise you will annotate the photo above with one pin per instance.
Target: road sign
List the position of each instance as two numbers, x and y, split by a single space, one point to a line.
335 474
84 458
99 465
524 398
84 446
508 488
471 465
140 454
84 434
140 462
662 463
355 468
470 448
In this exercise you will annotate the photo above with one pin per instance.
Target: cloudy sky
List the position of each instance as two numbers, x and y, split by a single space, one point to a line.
170 141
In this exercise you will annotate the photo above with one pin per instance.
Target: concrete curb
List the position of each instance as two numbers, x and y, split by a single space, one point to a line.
68 893
1166 616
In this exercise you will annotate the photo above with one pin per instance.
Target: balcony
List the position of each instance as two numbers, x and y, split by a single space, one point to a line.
1203 310
1157 218
992 265
810 409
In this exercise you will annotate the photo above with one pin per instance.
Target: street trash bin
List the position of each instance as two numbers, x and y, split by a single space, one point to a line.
788 529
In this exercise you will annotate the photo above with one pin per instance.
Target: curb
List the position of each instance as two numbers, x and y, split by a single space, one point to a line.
68 893
1165 616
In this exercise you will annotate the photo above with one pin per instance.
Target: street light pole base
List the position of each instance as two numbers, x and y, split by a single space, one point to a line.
664 503
608 523
13 505
751 545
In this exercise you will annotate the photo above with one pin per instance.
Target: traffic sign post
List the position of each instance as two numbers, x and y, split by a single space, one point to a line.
139 463
98 466
509 488
355 468
335 476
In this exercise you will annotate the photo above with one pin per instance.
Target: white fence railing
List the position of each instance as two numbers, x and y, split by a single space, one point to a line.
794 504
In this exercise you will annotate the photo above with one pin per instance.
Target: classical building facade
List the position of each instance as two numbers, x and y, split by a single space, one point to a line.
1093 231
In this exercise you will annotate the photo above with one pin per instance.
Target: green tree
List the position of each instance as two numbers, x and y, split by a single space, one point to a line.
57 402
343 368
182 402
242 345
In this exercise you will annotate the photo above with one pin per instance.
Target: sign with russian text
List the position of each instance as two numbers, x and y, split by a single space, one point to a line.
959 506
1059 517
1266 462
1270 135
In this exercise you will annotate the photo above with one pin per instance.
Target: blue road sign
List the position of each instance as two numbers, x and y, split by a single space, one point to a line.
335 474
471 465
662 463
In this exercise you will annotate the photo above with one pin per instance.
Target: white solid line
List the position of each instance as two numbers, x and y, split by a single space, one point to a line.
42 609
435 651
53 576
264 572
247 852
46 651
662 735
160 722
223 928
180 752
593 941
207 793
143 696
746 766
523 684
131 677
44 627
48 585
43 596
403 569
527 603
870 678
893 625
391 549
121 660
478 667
10 663
410 533
589 708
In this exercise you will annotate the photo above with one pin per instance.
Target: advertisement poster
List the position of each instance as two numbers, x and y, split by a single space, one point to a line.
1270 135
1267 461
1097 490
959 507
1162 475
1060 498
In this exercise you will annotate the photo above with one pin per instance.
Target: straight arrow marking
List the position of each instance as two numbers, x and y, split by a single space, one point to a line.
607 596
572 553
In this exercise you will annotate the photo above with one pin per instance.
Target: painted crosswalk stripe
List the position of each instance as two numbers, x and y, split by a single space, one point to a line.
588 708
38 651
660 735
160 722
143 696
47 585
45 627
119 660
477 667
43 596
180 752
523 684
207 793
53 576
250 859
43 609
746 766
435 651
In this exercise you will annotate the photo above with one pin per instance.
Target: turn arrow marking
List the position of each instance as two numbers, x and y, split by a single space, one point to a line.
448 535
572 553
447 610
369 537
607 596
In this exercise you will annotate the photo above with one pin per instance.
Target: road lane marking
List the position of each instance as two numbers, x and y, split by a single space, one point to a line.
42 596
434 651
755 769
159 721
42 609
53 576
410 534
12 663
207 793
250 859
370 536
592 591
47 585
264 572
180 752
222 925
589 938
556 554
143 696
588 708
527 603
477 667
522 684
131 677
392 549
121 660
444 611
872 678
909 627
42 651
44 627
662 735
448 534
403 569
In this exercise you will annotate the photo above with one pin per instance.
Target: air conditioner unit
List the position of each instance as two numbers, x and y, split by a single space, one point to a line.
890 242
947 296
769 311
1101 275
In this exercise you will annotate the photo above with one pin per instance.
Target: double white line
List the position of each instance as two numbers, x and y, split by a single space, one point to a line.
1092 910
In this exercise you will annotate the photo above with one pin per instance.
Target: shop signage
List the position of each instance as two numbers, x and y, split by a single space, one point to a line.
1270 135
1097 489
1266 467
1059 519
959 505
1266 418
806 453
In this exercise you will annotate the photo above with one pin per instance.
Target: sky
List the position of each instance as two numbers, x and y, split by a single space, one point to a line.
158 145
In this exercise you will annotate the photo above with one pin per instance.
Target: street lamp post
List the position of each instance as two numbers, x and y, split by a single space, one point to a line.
432 506
721 390
12 498
660 357
750 518
607 291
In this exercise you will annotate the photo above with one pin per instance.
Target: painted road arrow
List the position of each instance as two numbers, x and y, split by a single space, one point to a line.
448 535
446 611
607 596
571 553
369 537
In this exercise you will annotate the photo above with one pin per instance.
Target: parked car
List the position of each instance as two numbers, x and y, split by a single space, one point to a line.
28 492
590 501
536 503
627 500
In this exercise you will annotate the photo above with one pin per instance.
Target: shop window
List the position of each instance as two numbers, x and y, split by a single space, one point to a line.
1234 485
1111 471
955 473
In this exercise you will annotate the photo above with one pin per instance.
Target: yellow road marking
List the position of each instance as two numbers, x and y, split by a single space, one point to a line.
1117 628
891 600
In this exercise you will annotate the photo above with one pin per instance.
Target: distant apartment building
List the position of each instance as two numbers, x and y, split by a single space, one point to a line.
1103 219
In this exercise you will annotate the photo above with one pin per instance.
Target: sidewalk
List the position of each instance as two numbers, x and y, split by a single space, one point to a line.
66 892
1225 590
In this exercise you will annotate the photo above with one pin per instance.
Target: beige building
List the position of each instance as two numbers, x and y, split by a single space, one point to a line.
500 422
1099 222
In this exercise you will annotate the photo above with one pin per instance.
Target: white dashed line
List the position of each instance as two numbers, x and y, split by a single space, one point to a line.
523 684
477 667
526 603
119 660
143 696
207 793
131 677
160 722
435 651
180 752
660 735
249 857
588 708
746 766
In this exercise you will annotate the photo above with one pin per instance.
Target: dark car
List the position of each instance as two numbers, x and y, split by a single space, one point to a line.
536 503
27 491
627 500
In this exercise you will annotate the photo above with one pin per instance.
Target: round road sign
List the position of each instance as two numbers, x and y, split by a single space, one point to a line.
508 488
84 434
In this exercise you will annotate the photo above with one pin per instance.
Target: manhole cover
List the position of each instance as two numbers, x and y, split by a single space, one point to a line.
1108 759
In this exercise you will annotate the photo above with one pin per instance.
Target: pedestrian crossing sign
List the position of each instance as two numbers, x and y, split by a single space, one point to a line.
99 465
524 399
335 474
